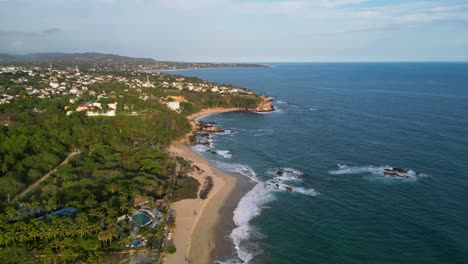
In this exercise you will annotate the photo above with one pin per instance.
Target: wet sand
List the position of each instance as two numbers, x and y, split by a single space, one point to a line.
224 246
203 226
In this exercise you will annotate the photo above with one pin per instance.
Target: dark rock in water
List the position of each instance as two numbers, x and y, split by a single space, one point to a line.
206 144
289 189
397 170
203 134
277 185
391 174
396 175
400 170
418 174
208 127
213 152
280 172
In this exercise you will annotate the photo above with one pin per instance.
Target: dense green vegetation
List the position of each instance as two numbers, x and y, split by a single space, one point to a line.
206 100
121 157
118 159
207 186
187 188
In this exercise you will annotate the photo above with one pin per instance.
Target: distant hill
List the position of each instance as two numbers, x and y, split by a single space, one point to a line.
87 56
107 61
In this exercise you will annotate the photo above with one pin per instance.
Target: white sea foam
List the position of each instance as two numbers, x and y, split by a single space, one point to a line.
224 153
244 236
211 140
289 180
288 174
249 207
229 261
226 132
310 192
276 111
237 168
200 148
375 170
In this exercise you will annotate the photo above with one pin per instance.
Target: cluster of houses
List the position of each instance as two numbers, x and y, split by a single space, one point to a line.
181 84
96 109
71 81
6 98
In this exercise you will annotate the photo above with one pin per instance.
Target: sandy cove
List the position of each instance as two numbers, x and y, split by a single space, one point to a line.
196 219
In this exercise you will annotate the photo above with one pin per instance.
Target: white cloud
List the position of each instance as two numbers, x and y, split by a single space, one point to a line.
336 3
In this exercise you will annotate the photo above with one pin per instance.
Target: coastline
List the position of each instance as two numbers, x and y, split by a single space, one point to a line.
197 231
212 111
211 68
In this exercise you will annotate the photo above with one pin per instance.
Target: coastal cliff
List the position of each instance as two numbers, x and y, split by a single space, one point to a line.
265 105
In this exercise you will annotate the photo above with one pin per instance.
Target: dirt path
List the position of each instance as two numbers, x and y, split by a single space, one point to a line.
43 178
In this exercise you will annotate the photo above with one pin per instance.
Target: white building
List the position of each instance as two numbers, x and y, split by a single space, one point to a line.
112 111
174 105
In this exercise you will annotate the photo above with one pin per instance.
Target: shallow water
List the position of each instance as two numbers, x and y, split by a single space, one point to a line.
337 128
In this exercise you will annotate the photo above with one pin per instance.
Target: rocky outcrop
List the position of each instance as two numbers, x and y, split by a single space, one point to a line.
398 170
265 105
399 173
213 129
205 126
202 132
395 175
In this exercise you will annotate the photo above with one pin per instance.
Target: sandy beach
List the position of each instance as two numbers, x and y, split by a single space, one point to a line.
195 234
211 111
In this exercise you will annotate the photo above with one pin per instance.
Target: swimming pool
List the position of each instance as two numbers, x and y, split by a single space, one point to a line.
140 219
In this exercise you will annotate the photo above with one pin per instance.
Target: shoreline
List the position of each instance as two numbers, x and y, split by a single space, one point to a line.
212 111
211 68
197 231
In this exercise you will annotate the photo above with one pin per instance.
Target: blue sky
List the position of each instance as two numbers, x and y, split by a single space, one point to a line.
241 30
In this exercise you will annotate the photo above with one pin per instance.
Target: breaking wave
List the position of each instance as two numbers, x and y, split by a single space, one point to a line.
244 236
386 171
226 132
200 148
224 153
242 169
289 180
249 207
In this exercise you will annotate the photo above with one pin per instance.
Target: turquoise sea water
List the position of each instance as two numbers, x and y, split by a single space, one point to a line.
364 117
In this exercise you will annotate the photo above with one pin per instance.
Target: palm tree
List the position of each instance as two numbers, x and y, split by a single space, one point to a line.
49 205
9 237
33 233
102 236
3 239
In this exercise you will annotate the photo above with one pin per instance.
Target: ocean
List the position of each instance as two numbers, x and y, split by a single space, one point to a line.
321 163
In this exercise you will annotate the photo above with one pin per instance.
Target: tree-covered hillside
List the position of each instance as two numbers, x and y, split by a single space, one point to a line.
71 183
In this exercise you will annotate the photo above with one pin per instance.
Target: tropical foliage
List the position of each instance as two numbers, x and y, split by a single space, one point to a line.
119 158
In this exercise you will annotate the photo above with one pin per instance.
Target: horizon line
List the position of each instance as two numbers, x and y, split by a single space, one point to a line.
246 62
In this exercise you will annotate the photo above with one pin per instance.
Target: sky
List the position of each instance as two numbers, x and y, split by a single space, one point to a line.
241 30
